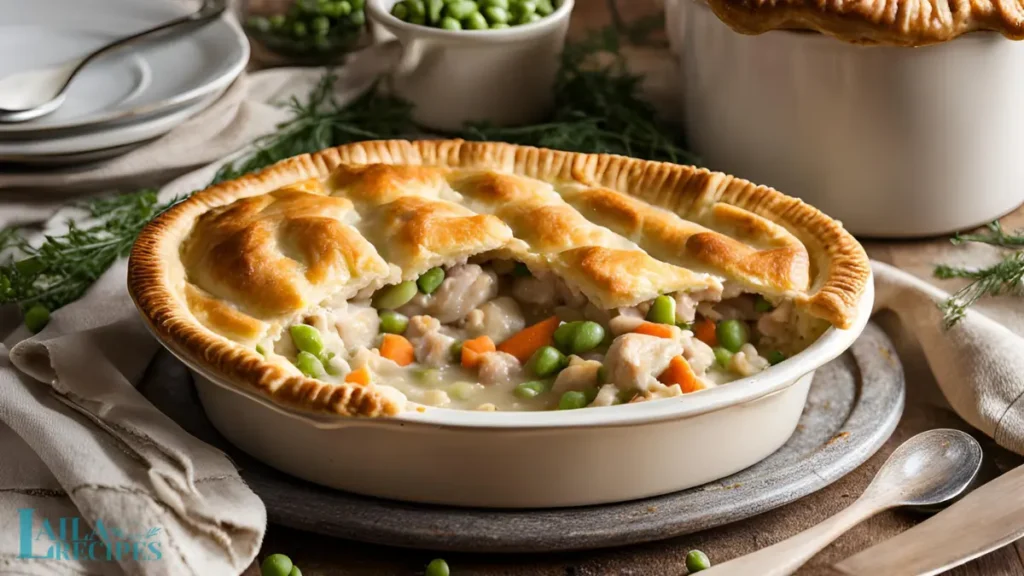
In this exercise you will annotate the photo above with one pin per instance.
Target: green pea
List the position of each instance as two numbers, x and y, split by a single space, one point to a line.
732 334
344 8
523 9
394 296
430 280
531 389
564 334
258 23
427 376
774 357
36 318
417 9
449 23
496 15
299 30
662 310
588 335
455 350
547 360
261 350
309 365
392 322
309 6
530 18
762 305
357 4
295 571
307 339
462 390
497 3
697 561
499 26
461 10
357 19
437 567
590 394
684 325
572 400
325 359
544 7
722 356
276 565
277 21
321 25
476 21
521 270
434 8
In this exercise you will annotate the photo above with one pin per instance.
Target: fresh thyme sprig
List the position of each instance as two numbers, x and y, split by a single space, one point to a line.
1002 278
995 236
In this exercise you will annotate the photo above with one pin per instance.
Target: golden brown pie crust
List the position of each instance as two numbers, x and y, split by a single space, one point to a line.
752 235
889 22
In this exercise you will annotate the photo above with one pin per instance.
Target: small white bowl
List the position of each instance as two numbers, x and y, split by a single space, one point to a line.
892 141
531 459
504 77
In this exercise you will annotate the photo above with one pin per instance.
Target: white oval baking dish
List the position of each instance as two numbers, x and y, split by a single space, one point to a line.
531 459
892 141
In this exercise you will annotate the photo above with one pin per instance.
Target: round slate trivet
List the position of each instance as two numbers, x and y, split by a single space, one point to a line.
853 406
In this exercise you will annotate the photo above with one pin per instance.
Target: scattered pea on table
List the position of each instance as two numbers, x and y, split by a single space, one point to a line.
697 561
37 317
279 565
437 567
472 14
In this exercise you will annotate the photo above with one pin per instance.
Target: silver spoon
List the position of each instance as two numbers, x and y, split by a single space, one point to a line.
931 469
34 93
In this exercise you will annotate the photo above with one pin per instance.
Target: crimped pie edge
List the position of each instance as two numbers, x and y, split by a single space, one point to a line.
842 265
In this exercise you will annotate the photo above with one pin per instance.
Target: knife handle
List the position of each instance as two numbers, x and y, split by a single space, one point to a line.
785 557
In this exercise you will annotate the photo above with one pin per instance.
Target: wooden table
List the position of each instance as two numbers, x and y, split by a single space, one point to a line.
926 409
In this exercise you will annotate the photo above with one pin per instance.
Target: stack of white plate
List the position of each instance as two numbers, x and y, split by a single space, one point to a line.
120 101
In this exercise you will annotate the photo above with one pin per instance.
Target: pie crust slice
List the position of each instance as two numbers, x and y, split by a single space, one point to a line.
229 270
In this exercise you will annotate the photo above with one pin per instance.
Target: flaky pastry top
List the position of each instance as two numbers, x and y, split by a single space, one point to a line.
236 262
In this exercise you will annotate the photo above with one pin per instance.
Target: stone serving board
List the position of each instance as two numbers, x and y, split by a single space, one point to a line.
853 406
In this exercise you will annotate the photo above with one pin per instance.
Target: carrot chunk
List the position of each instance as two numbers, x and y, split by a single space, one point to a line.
705 332
359 376
397 349
653 329
679 372
473 350
524 343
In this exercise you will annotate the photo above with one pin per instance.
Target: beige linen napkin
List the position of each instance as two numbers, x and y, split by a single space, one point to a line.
78 441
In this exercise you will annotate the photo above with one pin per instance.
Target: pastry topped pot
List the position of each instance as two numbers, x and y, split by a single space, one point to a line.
900 118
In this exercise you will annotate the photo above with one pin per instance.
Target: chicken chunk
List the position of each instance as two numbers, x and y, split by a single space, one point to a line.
747 361
579 375
499 319
533 290
634 361
498 368
357 325
608 395
464 289
431 346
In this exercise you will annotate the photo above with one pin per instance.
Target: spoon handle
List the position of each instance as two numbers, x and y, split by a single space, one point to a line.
785 557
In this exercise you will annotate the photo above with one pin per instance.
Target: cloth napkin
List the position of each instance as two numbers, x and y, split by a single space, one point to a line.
77 441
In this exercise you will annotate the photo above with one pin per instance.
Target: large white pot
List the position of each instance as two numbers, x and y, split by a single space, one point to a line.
894 142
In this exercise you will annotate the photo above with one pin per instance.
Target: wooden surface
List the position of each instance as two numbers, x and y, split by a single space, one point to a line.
926 409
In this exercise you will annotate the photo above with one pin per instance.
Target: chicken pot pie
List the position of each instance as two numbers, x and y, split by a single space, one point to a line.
886 22
382 276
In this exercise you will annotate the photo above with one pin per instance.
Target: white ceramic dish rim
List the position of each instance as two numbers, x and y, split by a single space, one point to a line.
214 85
825 349
378 12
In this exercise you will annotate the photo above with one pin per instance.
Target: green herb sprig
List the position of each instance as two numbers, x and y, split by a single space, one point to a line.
1004 277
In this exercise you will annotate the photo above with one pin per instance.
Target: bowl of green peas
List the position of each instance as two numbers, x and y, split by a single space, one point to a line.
459 61
306 31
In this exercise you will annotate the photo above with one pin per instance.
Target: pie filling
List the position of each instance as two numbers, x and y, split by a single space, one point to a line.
490 334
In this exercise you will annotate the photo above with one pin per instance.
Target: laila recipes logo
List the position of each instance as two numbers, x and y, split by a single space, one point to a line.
71 538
